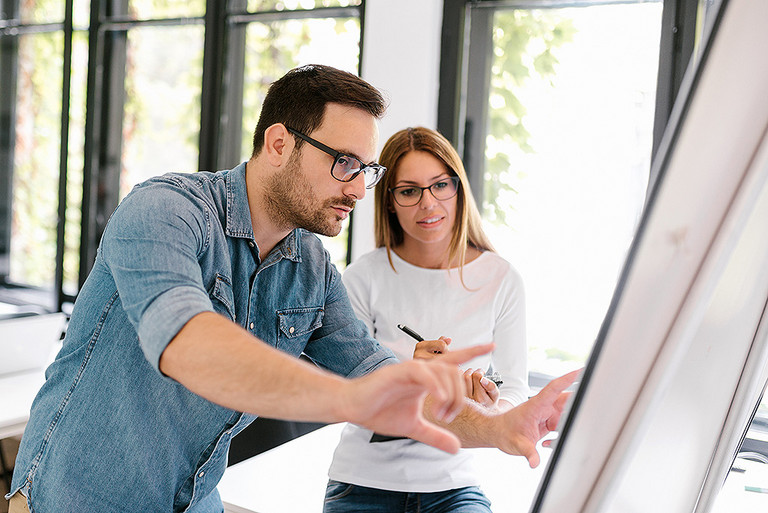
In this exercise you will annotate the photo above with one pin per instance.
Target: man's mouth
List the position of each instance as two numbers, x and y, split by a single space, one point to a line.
343 210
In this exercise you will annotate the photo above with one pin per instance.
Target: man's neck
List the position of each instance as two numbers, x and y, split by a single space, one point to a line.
266 233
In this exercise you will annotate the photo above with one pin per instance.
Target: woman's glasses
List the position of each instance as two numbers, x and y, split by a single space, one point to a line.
410 195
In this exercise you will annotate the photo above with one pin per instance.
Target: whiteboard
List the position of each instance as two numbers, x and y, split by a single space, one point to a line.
680 360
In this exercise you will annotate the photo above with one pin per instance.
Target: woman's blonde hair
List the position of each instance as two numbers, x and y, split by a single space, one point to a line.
467 230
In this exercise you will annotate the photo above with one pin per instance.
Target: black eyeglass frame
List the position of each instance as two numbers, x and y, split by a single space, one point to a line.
455 179
378 169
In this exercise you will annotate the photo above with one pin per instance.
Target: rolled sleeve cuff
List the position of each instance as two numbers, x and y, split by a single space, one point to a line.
165 317
378 359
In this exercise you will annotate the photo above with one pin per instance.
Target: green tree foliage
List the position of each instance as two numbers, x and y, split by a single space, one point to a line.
35 179
524 45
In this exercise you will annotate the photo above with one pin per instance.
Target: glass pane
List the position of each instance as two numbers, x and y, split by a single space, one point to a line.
568 157
81 13
36 160
157 9
75 162
41 11
272 49
161 126
292 5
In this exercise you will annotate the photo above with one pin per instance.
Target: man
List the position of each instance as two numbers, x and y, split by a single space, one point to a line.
204 286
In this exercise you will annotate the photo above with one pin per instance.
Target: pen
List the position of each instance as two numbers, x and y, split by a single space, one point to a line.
493 376
410 332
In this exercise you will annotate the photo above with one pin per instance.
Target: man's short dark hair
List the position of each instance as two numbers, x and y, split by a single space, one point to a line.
298 99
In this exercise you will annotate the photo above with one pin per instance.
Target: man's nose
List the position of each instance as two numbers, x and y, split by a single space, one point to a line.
356 187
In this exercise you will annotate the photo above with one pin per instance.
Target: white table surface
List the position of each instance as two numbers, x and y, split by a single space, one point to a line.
734 496
292 477
17 391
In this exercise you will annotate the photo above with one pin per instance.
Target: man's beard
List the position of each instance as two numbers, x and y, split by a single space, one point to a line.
291 202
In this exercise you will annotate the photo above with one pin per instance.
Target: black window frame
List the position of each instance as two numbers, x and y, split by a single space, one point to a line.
219 141
465 63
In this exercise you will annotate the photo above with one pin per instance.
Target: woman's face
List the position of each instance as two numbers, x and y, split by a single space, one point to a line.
430 220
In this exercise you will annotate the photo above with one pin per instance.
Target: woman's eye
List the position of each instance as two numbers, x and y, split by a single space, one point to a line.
440 185
408 192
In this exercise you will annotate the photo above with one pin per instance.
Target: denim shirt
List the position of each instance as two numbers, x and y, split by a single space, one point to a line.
108 431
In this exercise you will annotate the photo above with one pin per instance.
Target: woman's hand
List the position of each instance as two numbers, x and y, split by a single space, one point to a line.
481 389
428 349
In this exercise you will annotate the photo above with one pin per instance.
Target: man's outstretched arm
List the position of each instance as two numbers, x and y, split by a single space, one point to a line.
220 361
517 430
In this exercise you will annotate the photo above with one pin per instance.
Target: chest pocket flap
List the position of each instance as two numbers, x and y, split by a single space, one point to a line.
222 297
295 325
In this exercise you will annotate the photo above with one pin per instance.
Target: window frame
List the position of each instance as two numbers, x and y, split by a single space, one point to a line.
224 24
465 63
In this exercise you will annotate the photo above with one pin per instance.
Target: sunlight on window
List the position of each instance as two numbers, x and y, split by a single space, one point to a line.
567 199
162 114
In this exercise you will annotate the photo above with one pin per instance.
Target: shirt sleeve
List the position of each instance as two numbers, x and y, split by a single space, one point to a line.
343 344
510 358
151 246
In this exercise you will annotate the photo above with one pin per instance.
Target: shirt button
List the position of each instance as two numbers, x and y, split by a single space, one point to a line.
251 243
291 330
251 325
201 474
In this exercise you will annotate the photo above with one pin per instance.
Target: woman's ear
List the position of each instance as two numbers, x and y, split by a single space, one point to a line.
278 144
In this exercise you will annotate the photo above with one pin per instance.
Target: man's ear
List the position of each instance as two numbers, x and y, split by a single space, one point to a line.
278 144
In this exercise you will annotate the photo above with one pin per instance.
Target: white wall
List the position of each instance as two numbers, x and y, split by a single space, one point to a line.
401 57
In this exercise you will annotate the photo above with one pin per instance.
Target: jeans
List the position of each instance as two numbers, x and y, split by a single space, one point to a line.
344 498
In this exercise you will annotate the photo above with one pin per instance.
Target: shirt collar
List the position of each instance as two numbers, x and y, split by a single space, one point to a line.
239 216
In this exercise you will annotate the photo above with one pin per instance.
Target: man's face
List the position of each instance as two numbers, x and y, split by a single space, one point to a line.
305 195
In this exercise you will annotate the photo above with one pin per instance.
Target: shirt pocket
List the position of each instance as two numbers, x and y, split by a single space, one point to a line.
295 327
222 297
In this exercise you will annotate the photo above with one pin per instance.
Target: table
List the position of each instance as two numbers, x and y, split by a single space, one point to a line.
292 477
18 392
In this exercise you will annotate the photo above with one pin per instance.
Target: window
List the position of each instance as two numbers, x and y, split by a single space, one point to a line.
560 155
98 96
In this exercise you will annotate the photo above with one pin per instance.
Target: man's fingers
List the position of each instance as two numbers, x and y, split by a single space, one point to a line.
464 355
445 385
531 454
557 386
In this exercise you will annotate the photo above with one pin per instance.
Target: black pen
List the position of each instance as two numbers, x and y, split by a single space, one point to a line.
410 332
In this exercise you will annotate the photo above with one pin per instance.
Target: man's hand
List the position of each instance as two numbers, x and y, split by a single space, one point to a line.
390 400
525 425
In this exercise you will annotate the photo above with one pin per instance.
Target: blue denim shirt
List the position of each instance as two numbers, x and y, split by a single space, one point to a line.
108 431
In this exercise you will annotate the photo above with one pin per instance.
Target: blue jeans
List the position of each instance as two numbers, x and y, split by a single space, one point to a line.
344 498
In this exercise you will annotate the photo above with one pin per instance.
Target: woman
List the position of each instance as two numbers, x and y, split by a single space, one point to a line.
435 271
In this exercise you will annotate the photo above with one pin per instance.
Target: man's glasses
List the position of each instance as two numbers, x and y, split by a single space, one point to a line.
345 168
410 195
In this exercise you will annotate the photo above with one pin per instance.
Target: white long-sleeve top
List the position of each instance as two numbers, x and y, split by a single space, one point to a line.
490 306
